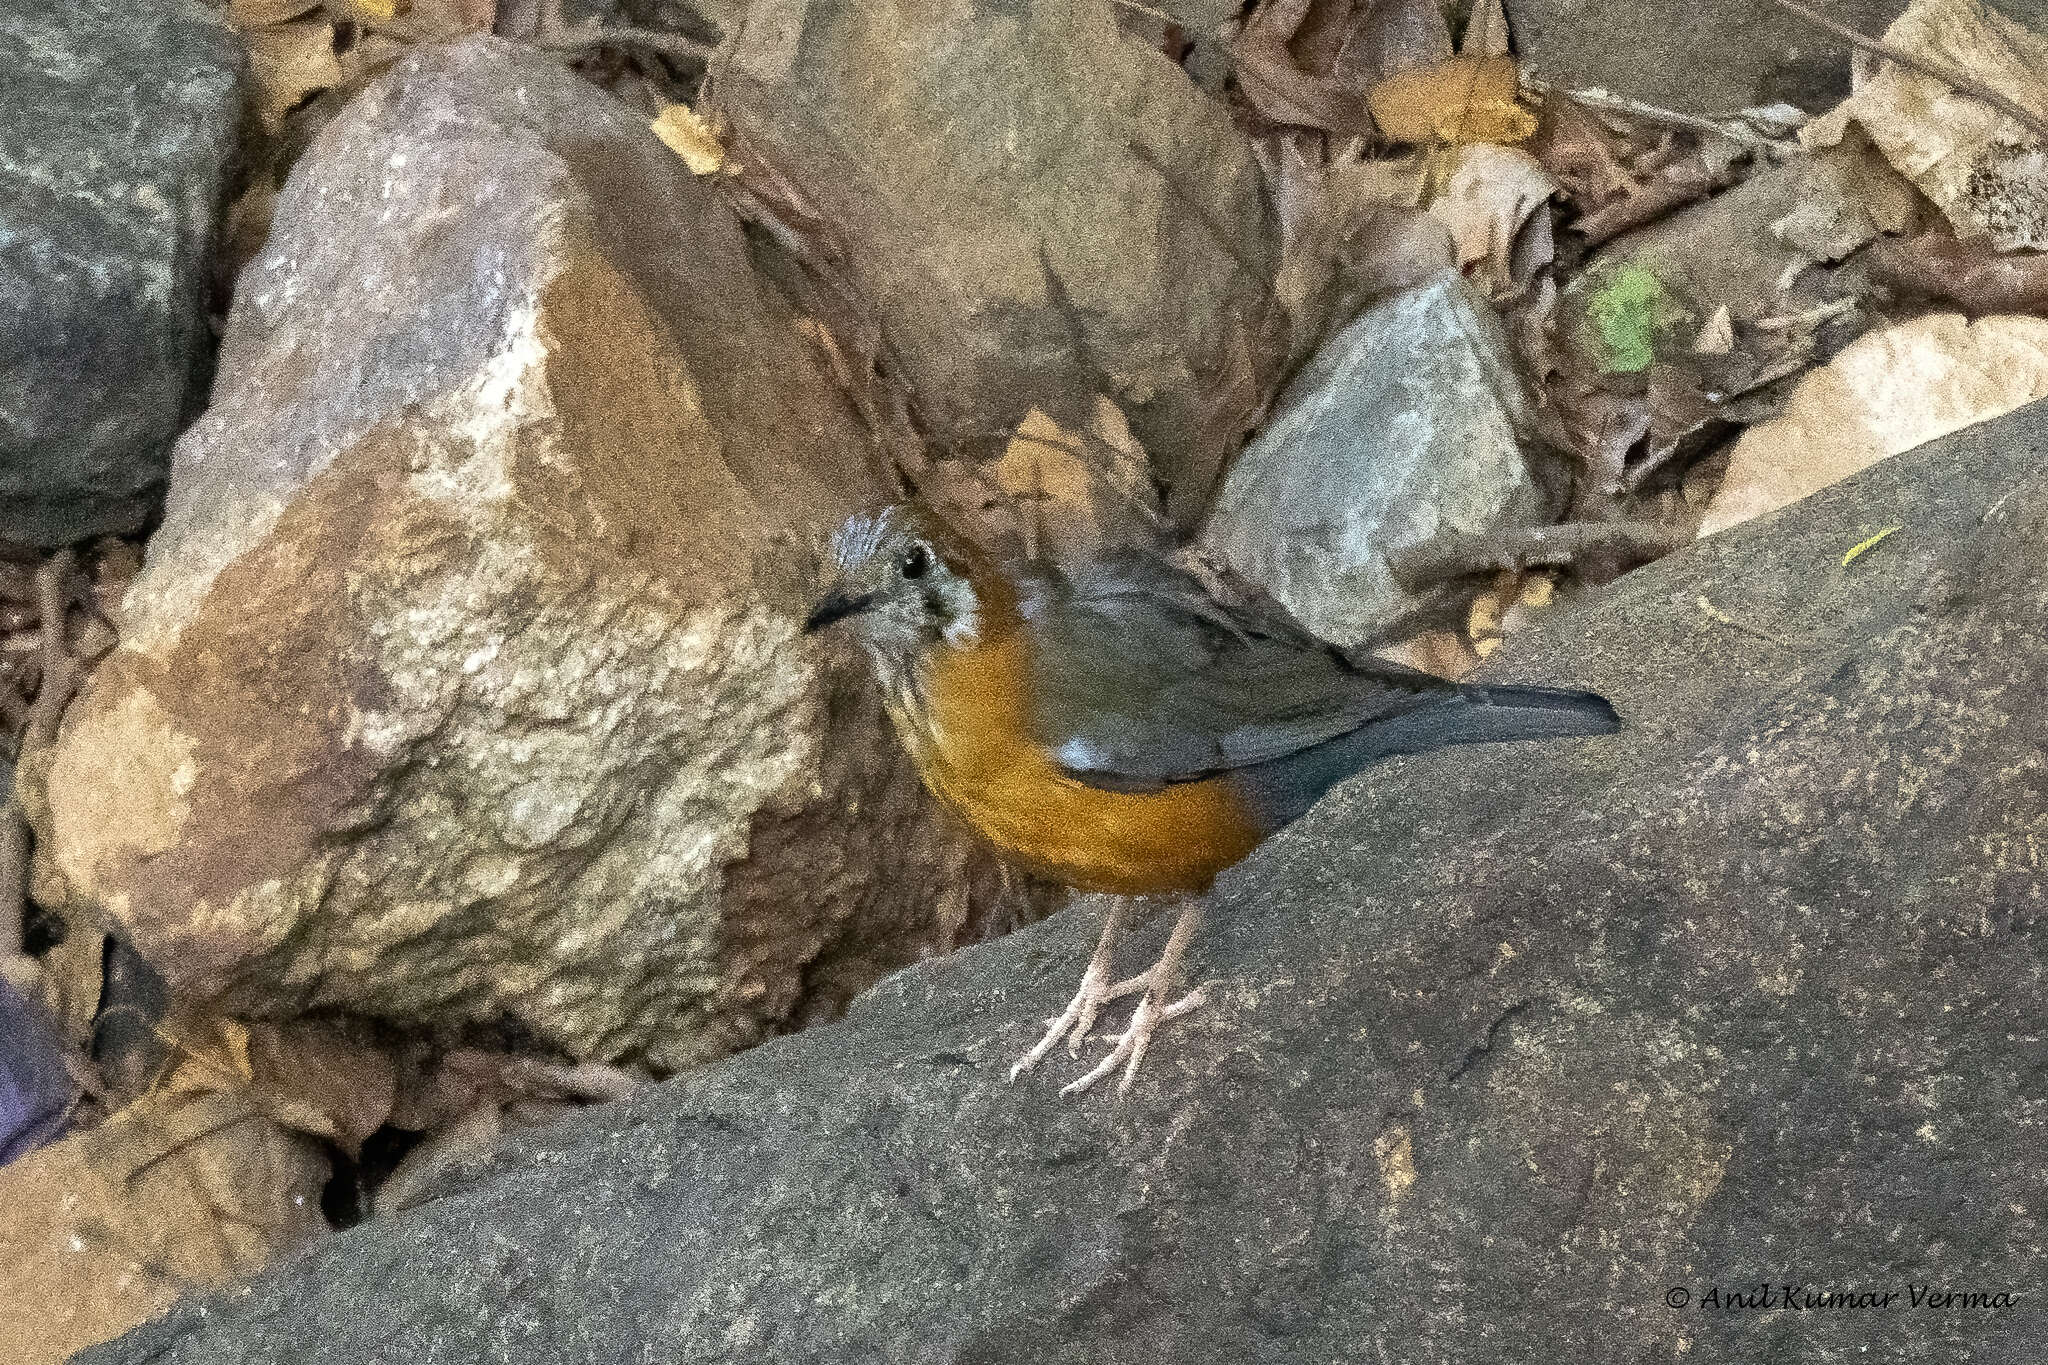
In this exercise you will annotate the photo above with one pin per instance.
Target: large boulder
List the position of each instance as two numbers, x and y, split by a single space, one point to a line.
1036 206
117 121
459 689
1515 1053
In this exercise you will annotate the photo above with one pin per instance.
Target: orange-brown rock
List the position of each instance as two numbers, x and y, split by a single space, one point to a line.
456 690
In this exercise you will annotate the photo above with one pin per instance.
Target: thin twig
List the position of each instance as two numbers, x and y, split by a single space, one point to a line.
1737 131
1955 80
1714 613
59 680
1531 547
667 44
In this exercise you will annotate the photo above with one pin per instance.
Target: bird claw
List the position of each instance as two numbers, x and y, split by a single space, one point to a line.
1077 1021
1132 1043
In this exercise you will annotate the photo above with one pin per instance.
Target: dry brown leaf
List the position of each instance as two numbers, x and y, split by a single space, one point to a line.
1285 55
1386 37
1581 154
1466 99
287 63
1487 198
1351 233
315 1079
691 137
1486 32
1973 275
1853 195
1286 94
1986 171
1888 391
1076 493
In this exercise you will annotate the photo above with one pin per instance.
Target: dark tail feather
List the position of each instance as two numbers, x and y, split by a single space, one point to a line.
1283 789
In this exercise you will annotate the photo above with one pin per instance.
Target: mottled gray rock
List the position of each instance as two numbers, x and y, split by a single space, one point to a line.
116 121
1401 429
462 687
1509 1049
1034 205
1710 59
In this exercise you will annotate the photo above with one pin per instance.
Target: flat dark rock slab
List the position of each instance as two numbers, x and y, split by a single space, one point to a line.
1513 1054
1709 59
117 120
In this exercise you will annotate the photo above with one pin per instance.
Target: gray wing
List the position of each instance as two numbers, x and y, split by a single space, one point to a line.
1141 679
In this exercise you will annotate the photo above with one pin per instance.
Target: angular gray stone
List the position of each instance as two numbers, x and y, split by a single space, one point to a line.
1710 58
117 118
1400 429
1507 1048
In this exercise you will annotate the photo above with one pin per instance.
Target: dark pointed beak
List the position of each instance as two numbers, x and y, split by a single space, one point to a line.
837 606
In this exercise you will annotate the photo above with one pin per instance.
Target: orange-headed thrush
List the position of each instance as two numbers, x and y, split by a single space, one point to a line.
1119 729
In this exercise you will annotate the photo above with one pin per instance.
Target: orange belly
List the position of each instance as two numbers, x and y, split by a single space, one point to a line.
976 755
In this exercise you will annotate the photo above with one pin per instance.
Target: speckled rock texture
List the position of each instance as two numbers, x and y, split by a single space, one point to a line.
1708 58
1033 205
459 689
117 119
1514 1054
1402 428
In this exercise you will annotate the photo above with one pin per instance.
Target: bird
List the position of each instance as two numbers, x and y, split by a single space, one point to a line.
1114 726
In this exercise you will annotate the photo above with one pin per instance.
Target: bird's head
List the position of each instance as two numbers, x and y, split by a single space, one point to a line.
900 584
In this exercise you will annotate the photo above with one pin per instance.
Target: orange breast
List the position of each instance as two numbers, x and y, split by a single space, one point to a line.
977 756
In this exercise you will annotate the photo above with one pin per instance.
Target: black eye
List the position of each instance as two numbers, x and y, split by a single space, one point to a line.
916 561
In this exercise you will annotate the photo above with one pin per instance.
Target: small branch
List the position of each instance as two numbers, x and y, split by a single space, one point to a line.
60 669
59 680
1531 548
1926 66
667 44
1715 614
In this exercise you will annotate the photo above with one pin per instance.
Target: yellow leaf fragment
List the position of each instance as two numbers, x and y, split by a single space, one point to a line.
365 11
1466 99
1859 548
690 137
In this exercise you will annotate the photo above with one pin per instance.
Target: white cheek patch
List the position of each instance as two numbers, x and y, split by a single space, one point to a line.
963 630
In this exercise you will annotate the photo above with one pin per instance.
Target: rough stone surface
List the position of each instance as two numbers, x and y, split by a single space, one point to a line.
456 690
1505 1046
1037 208
1709 59
1402 428
116 121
